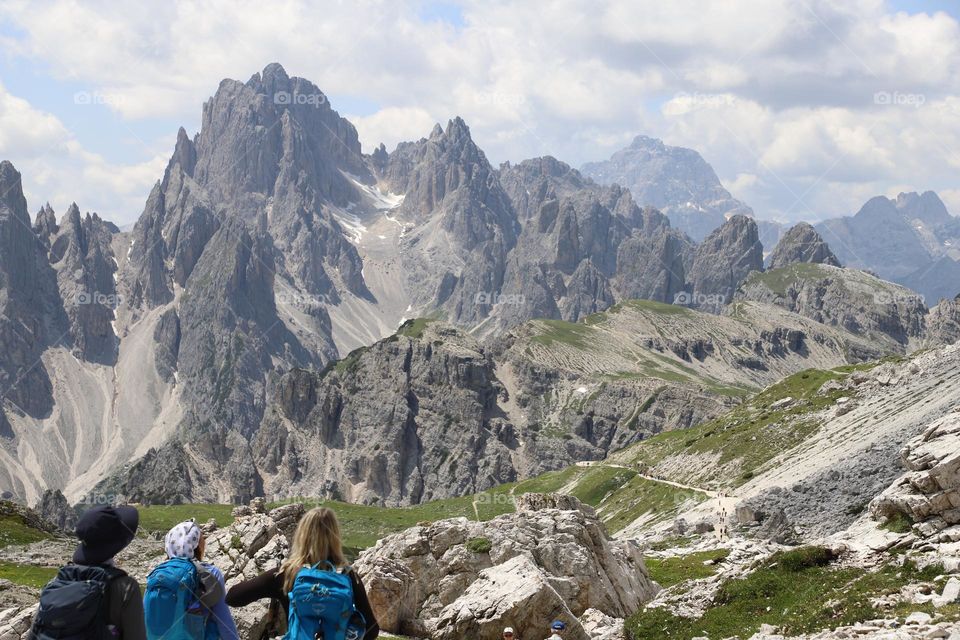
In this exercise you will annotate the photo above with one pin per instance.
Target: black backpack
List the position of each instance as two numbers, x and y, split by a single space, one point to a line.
76 604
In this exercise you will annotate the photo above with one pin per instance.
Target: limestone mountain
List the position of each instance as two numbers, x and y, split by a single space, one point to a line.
912 240
675 180
271 247
582 246
459 223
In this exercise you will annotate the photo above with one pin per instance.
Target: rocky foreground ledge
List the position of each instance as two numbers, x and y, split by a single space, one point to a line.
463 579
450 579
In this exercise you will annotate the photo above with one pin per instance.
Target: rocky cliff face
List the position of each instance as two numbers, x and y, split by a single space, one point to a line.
801 244
583 246
428 427
652 263
723 261
55 509
854 300
549 560
463 224
431 413
31 315
943 324
82 255
675 180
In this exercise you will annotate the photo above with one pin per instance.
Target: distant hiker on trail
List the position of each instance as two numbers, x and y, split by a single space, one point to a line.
185 596
92 598
324 598
556 630
508 633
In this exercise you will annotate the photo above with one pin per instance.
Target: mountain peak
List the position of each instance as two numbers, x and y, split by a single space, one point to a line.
457 128
11 188
675 180
72 215
184 154
926 207
802 243
9 176
642 142
274 70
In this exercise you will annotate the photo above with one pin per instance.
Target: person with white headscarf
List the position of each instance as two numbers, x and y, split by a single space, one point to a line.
186 540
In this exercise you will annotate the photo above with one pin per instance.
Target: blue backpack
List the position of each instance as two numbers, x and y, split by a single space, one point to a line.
321 606
171 589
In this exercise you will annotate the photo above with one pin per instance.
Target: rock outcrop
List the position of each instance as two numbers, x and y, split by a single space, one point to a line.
256 542
801 244
28 306
55 509
82 256
457 578
29 518
929 493
463 223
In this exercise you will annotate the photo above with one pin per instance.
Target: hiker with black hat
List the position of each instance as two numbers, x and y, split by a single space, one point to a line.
92 597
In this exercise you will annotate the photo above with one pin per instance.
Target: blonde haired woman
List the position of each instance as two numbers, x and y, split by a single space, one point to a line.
316 543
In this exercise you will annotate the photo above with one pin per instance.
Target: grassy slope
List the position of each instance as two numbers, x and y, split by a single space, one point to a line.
619 494
747 437
778 280
14 531
674 570
587 333
798 591
27 575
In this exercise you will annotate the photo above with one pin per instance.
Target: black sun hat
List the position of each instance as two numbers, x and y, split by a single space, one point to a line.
104 532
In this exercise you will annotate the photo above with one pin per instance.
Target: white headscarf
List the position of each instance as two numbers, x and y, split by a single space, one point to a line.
182 541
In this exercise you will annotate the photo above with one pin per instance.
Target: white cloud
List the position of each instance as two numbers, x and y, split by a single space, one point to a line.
951 198
392 125
24 130
778 95
56 168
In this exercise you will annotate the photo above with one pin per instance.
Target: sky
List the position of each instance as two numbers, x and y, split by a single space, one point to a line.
805 108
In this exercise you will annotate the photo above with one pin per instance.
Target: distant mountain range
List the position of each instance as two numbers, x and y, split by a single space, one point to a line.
675 180
289 313
912 240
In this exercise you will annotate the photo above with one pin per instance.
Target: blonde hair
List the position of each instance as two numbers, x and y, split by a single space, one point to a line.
317 539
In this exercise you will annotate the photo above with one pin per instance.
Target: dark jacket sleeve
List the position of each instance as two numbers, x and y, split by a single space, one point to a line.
132 625
362 603
265 585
